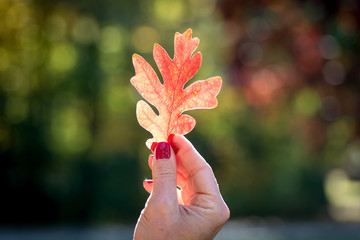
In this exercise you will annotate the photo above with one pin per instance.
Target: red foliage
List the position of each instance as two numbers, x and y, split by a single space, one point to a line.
170 98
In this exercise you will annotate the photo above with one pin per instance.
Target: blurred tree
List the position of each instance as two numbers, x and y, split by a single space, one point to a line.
295 64
70 146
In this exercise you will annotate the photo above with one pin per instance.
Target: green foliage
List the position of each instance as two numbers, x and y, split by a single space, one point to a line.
72 151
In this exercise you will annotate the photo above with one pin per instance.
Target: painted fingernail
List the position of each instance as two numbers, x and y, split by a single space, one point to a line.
148 181
153 146
163 150
171 142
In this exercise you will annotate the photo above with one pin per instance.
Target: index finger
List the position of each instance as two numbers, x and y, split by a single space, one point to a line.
195 165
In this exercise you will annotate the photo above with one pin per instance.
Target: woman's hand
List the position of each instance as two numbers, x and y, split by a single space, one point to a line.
198 211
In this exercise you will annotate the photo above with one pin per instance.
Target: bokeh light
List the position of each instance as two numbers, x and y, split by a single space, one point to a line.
143 39
283 141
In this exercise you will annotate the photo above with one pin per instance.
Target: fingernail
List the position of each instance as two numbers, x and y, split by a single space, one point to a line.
163 150
148 181
153 146
171 142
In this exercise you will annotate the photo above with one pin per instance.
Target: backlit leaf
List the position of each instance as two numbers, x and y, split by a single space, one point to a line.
170 98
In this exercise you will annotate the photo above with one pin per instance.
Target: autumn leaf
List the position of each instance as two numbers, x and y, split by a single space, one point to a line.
170 98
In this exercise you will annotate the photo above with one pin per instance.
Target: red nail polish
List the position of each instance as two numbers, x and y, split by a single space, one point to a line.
163 150
171 142
153 146
148 181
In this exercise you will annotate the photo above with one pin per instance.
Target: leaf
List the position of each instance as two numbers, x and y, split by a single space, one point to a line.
170 98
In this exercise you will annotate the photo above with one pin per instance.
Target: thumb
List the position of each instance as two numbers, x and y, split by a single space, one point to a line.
164 172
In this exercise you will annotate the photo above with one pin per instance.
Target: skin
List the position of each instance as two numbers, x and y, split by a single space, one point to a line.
198 211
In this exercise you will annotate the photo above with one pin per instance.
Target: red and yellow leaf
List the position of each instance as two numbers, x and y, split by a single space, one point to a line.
170 98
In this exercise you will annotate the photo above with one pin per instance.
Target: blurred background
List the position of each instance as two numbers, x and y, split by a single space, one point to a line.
284 141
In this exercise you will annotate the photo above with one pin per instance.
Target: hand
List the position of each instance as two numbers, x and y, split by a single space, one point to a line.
198 211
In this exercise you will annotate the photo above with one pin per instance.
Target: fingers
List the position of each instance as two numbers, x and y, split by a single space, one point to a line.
194 165
180 178
180 181
150 160
148 185
164 173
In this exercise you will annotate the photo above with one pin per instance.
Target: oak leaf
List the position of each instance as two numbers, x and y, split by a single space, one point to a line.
169 97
